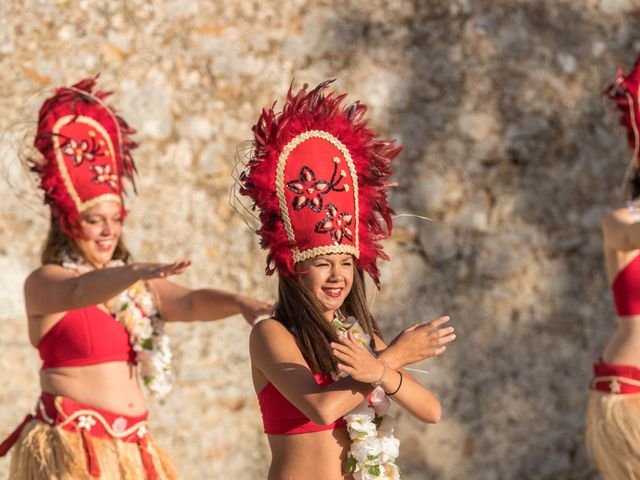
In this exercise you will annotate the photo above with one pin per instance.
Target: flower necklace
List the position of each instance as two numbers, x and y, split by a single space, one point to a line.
134 309
633 207
374 448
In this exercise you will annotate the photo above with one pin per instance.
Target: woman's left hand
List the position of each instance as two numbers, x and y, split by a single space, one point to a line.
251 308
356 360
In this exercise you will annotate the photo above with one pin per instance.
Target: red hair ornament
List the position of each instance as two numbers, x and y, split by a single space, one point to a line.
319 176
625 92
86 152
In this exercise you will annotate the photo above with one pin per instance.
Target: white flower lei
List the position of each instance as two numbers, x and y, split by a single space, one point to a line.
633 207
135 310
374 448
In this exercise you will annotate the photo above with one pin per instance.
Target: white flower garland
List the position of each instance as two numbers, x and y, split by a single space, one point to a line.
135 310
374 448
633 207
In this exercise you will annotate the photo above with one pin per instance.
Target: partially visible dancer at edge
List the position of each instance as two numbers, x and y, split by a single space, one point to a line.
95 317
321 370
613 420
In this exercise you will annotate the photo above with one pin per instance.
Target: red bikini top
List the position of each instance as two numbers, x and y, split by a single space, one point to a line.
281 417
85 337
626 294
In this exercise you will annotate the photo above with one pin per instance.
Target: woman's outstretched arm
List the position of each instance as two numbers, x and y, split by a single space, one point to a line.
180 304
53 288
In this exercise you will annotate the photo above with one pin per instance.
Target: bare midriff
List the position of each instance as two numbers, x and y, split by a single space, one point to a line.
311 456
624 346
111 386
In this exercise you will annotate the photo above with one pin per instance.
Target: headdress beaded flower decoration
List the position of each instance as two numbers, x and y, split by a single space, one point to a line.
624 91
319 177
86 152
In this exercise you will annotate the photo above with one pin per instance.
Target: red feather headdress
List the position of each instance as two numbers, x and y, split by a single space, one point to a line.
319 176
624 91
86 152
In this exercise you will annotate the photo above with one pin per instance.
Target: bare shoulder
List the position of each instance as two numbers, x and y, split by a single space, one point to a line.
268 331
616 218
621 229
161 288
272 338
275 353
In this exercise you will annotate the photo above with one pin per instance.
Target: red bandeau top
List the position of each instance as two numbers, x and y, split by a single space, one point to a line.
85 337
626 289
281 417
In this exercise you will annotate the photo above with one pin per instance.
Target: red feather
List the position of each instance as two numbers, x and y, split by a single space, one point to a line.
624 91
372 158
77 98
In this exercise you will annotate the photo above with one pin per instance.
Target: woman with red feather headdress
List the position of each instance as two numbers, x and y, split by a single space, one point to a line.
613 419
322 372
95 317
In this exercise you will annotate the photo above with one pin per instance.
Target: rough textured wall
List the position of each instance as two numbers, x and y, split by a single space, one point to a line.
508 149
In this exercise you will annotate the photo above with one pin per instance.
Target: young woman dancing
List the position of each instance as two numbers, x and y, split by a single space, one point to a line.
613 421
95 317
321 370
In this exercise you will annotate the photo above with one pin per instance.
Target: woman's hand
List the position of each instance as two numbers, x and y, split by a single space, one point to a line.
251 308
419 341
356 360
149 271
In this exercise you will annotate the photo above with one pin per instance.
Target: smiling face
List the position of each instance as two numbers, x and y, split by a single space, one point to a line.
101 227
329 279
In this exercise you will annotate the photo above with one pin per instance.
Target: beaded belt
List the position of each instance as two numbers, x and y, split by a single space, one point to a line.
615 378
89 422
618 385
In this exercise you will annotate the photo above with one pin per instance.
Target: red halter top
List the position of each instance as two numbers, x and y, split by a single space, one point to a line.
626 289
87 336
281 417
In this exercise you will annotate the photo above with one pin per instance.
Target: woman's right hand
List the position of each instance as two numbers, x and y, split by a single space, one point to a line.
419 341
149 271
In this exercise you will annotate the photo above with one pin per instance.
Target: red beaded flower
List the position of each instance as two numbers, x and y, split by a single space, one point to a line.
319 154
337 225
86 151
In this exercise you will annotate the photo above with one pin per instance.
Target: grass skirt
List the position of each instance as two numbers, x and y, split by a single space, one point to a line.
51 453
613 434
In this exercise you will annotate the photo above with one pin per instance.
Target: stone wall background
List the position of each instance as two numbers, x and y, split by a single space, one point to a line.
508 148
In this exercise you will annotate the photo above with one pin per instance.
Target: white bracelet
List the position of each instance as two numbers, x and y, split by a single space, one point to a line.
383 377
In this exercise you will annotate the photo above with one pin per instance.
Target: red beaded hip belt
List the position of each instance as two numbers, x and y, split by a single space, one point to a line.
89 422
615 378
